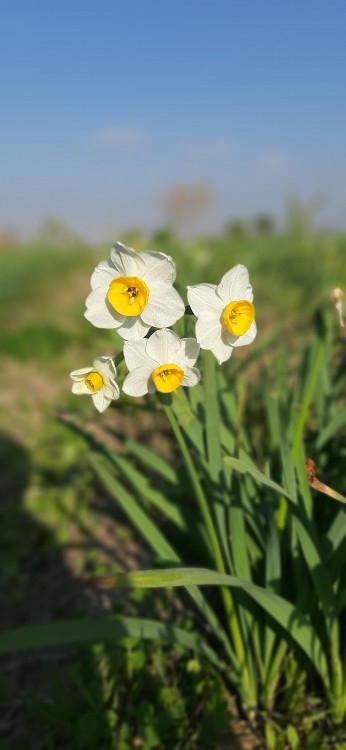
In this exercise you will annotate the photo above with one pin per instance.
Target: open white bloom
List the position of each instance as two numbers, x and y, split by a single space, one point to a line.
134 291
225 313
98 382
162 362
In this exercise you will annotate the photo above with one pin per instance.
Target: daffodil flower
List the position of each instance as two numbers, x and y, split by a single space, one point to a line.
133 292
161 363
98 382
225 313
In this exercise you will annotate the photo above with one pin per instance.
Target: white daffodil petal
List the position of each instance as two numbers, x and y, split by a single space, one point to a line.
151 386
136 382
100 400
133 328
112 391
158 265
188 353
135 354
192 376
79 374
102 315
79 388
203 297
245 339
103 275
164 307
126 261
162 346
208 332
222 351
235 285
97 298
105 366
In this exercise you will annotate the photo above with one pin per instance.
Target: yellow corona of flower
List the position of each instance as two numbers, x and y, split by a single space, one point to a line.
133 292
98 382
161 363
225 313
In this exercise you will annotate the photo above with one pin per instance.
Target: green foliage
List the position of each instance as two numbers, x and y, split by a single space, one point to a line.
233 499
112 696
262 531
39 342
28 272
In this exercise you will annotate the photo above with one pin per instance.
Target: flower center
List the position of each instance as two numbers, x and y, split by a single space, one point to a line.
128 295
167 378
93 381
238 316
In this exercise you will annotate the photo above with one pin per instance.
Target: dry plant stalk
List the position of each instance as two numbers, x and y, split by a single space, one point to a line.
315 483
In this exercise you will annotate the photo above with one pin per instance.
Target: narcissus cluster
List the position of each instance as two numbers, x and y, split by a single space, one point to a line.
134 294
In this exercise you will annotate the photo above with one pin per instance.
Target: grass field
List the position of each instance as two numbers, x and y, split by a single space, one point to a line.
56 526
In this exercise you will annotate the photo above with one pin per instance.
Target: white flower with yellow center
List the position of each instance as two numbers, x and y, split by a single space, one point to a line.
98 382
161 363
133 292
225 313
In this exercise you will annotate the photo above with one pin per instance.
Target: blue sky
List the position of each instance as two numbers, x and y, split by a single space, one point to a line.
106 104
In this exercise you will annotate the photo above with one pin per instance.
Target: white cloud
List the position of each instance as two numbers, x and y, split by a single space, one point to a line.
116 136
274 161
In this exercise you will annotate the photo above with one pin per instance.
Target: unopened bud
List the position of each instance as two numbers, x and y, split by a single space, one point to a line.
336 297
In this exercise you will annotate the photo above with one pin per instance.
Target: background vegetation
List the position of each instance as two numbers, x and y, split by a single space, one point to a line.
59 525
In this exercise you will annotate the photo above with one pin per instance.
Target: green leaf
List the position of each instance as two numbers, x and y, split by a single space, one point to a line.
333 427
138 516
212 419
309 385
309 547
245 468
274 648
143 488
215 467
295 623
152 461
239 544
148 529
273 558
188 421
93 630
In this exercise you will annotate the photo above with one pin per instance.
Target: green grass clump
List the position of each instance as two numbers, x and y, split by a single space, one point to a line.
113 696
35 342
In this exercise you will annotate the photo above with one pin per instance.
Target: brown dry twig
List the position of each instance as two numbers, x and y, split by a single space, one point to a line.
316 484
